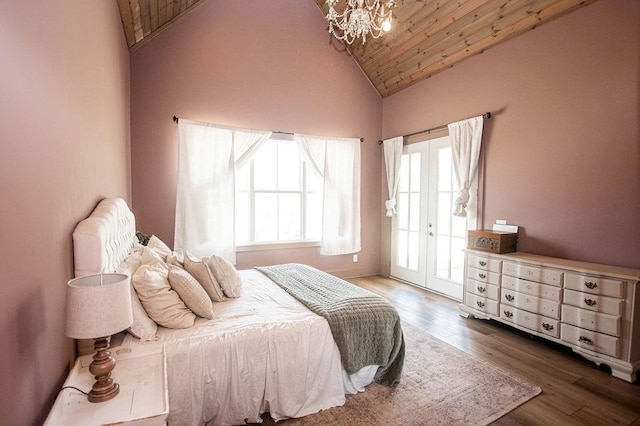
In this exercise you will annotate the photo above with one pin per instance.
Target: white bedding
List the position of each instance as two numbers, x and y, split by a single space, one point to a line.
262 352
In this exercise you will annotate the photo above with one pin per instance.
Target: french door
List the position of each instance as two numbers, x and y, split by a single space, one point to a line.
426 239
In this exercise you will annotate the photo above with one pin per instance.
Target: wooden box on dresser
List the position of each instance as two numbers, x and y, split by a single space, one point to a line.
592 308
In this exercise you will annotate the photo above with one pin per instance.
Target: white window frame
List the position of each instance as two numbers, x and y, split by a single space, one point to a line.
252 244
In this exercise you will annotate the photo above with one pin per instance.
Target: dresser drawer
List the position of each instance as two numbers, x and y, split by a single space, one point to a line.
532 273
592 302
548 308
481 303
484 263
530 320
483 276
483 289
595 285
591 340
529 287
595 321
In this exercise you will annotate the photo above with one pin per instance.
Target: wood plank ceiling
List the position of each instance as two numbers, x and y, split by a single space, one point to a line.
428 36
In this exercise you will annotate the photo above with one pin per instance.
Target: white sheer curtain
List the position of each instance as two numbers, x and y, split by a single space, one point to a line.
337 161
466 140
205 199
392 161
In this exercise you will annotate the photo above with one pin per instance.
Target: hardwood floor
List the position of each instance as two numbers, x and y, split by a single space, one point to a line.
574 391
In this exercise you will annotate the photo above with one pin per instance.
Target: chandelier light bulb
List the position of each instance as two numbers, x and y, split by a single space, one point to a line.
360 18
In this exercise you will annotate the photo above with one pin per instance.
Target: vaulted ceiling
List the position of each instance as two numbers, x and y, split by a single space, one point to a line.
428 36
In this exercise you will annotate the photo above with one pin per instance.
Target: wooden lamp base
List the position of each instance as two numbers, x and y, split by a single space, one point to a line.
104 388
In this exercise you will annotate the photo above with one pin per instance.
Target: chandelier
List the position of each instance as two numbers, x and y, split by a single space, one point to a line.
360 18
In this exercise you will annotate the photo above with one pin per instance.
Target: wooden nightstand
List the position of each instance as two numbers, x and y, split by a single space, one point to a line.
143 397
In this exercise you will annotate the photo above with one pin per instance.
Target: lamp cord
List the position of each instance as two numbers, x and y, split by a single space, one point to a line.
73 387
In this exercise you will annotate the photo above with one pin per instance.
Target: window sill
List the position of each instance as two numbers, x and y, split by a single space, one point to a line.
277 246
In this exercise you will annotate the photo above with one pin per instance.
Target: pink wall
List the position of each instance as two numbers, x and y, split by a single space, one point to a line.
64 85
260 65
563 149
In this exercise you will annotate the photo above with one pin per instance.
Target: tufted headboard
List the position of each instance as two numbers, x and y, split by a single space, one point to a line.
103 240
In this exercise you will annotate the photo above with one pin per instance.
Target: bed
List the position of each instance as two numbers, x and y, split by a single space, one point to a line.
264 351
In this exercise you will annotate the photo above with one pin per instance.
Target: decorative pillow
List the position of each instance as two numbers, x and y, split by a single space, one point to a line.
163 305
159 246
150 257
142 327
176 258
191 292
226 275
207 280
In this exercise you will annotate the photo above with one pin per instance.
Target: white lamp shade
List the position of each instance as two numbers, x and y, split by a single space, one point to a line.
98 306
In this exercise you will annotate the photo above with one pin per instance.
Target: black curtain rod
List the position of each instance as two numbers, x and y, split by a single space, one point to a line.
486 116
176 119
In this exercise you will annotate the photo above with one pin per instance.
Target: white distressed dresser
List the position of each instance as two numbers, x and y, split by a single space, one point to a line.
592 308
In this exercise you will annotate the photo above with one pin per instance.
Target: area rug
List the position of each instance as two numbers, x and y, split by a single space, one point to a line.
440 385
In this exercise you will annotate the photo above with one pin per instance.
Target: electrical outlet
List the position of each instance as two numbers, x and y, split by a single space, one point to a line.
355 258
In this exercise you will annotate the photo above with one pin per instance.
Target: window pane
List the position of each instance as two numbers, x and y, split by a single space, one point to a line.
288 167
243 176
243 217
266 217
314 217
289 217
264 166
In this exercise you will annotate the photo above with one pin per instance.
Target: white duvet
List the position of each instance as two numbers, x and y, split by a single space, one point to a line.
262 352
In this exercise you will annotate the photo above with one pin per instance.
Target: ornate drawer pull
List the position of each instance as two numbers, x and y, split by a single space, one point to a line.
509 297
586 340
480 304
481 289
591 285
483 276
508 314
547 326
590 302
482 263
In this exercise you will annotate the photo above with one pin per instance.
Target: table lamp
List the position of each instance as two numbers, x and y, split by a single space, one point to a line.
97 307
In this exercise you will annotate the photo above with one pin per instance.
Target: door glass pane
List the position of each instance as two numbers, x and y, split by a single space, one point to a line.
444 212
403 240
415 172
457 259
414 250
403 184
414 212
402 209
445 167
442 256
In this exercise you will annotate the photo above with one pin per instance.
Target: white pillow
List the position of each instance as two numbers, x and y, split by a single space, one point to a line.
159 246
226 275
150 256
163 305
205 277
142 327
191 292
